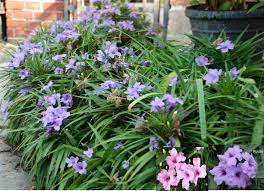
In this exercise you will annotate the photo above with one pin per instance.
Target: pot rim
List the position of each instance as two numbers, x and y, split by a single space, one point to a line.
193 12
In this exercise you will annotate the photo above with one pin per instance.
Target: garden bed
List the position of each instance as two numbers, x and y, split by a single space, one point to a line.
100 103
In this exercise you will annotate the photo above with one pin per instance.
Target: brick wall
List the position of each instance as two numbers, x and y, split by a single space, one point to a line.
24 16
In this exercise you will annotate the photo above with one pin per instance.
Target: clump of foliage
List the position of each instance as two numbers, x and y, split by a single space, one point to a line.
91 103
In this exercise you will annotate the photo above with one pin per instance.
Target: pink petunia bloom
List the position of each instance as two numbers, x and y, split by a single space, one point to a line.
175 158
186 174
167 179
199 171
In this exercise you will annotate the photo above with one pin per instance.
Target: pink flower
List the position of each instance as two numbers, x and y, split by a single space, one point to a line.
186 174
167 178
175 158
199 171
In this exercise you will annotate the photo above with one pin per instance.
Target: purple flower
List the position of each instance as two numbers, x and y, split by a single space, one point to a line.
126 25
66 99
111 50
158 45
17 60
31 48
157 105
249 166
233 73
173 80
127 51
220 173
72 161
107 23
85 56
80 167
212 76
202 61
140 123
51 100
225 46
24 91
71 65
134 91
236 178
47 87
100 56
119 146
231 156
171 143
110 85
67 35
88 153
165 103
125 164
58 58
153 143
53 118
58 71
4 110
151 33
24 73
133 15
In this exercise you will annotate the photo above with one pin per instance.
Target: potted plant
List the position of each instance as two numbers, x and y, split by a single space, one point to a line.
233 16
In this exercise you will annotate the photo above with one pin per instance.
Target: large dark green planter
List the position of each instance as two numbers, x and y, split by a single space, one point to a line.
206 23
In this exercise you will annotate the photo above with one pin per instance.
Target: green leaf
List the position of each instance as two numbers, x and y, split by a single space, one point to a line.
257 135
202 114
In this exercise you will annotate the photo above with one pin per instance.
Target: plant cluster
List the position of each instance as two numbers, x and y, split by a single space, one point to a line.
92 102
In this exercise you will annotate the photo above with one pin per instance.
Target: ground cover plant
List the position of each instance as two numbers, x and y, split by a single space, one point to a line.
91 103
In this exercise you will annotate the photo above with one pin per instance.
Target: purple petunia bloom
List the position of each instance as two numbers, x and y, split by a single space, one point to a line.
140 123
66 99
111 50
249 166
72 161
110 85
171 143
134 91
24 74
47 87
16 61
88 153
212 76
158 45
165 103
202 61
125 164
80 167
71 65
58 71
107 23
53 118
133 15
85 56
126 25
58 58
225 46
151 33
100 56
173 80
118 146
51 100
4 110
235 168
157 105
153 143
231 156
31 48
67 35
233 73
24 91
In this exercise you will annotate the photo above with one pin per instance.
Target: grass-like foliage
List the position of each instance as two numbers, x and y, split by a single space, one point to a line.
107 83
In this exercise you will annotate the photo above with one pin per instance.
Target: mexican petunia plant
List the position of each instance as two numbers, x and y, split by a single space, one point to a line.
92 103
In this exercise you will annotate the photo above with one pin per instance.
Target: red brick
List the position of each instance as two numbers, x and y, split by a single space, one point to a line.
48 16
14 5
16 24
34 24
21 33
22 15
46 23
56 6
33 5
10 33
9 14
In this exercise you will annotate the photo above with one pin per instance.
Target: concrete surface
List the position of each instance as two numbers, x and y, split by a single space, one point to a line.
12 176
